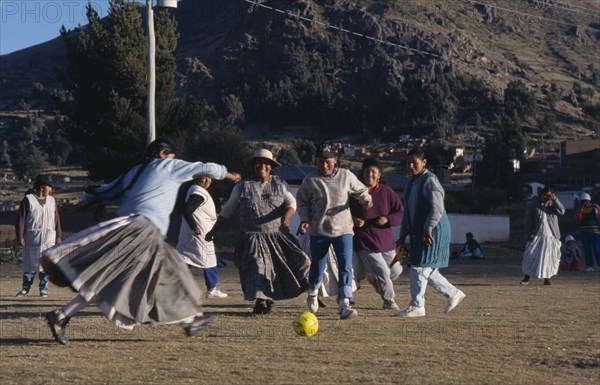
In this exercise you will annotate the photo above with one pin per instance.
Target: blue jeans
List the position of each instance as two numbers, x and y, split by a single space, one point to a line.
591 247
319 248
28 281
211 277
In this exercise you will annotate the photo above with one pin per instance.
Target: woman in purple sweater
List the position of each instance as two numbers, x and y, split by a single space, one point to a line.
374 244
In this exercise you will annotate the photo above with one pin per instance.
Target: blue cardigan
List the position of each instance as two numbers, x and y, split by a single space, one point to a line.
437 254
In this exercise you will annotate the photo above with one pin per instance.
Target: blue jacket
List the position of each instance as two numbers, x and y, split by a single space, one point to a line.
415 222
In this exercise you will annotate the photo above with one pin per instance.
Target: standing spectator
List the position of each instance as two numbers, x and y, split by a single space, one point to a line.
199 216
588 217
38 228
124 265
271 264
571 254
471 248
374 245
426 222
324 209
542 254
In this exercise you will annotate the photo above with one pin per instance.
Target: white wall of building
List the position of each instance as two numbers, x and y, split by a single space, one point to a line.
485 228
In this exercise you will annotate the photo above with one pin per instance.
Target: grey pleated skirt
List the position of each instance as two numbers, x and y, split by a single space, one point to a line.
271 266
128 270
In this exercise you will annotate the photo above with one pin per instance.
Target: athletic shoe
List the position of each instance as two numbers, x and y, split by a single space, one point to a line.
58 331
43 294
312 301
215 293
524 283
200 321
390 305
412 311
590 269
347 312
454 301
547 282
22 293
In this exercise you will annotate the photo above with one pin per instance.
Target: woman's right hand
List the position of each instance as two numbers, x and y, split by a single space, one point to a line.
233 177
302 228
359 222
22 241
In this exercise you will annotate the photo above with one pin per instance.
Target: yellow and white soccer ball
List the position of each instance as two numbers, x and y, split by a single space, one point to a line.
306 324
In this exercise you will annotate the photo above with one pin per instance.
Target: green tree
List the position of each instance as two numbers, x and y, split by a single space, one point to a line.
305 149
106 76
4 155
496 170
518 99
31 162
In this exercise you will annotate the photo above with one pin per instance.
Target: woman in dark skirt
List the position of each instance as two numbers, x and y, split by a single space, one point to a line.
124 265
271 264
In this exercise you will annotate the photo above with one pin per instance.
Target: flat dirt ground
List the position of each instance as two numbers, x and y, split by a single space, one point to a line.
502 333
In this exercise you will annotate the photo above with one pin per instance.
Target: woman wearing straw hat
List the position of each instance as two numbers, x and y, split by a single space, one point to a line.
271 264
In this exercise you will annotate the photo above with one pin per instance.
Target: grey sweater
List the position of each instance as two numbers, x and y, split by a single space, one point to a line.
324 202
535 213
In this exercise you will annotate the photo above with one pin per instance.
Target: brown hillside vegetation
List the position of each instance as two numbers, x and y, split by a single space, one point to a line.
227 46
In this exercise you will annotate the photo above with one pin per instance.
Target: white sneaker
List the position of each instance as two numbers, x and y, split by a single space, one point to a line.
454 301
347 312
390 305
215 293
412 311
590 269
312 301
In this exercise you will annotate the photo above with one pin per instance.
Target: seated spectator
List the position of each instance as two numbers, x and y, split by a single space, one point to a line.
571 255
471 249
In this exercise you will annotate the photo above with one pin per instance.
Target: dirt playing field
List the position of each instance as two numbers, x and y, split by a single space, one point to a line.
502 333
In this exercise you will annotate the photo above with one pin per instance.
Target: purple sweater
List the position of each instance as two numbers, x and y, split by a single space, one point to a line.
372 237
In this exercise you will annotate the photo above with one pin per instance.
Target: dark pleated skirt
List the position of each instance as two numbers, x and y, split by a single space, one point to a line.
128 270
271 266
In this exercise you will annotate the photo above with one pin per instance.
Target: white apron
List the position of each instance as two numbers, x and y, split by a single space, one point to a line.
542 255
39 231
194 249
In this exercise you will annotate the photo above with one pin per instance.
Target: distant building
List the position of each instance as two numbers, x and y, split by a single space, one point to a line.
580 154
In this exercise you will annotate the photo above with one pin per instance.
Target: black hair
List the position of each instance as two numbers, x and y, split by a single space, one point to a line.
156 147
152 152
418 152
370 162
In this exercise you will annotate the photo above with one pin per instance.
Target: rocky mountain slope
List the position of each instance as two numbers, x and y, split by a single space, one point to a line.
359 55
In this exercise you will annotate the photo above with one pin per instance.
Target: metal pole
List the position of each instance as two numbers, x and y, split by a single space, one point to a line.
151 73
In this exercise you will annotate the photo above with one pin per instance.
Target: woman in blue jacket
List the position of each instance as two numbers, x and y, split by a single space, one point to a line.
426 222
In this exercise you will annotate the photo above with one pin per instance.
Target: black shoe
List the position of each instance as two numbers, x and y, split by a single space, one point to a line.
547 282
269 306
198 323
260 307
321 303
58 332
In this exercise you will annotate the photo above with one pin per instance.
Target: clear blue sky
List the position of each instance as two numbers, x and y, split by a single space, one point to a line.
24 23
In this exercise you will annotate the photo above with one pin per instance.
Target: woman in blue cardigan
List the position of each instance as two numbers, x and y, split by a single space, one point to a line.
426 222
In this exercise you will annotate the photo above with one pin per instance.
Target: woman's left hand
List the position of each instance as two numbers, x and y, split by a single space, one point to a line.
381 220
427 238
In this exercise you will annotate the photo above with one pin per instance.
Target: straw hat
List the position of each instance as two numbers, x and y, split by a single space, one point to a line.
262 154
